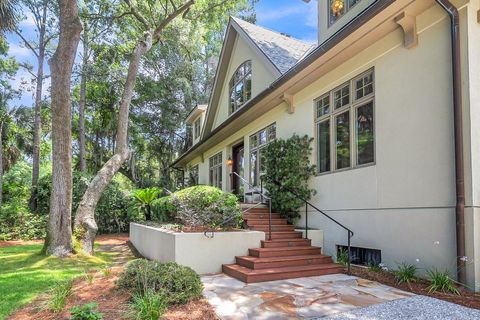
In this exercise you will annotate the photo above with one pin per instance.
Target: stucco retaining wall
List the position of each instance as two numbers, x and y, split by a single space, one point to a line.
195 250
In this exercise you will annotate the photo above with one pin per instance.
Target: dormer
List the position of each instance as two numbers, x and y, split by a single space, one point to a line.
195 120
334 14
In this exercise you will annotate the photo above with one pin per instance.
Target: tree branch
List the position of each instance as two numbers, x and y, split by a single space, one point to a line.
26 42
137 15
170 17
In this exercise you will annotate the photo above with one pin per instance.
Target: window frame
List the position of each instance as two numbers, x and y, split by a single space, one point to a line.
196 128
194 174
216 166
232 84
259 148
347 8
352 107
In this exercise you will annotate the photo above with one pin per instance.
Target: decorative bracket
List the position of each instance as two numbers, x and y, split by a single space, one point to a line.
409 26
288 98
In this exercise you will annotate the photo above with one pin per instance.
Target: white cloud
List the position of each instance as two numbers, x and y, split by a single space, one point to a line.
18 51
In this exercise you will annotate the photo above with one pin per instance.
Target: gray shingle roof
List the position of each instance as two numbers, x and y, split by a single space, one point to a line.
284 51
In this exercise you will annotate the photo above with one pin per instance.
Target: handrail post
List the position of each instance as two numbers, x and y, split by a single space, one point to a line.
306 220
349 254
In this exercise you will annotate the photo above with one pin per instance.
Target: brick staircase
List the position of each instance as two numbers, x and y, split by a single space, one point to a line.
286 256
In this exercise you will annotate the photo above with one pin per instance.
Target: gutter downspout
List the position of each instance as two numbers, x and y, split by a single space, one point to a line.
458 129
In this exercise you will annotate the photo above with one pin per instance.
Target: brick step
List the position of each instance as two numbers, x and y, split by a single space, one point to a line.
250 276
286 243
260 216
285 235
283 252
279 227
279 262
252 222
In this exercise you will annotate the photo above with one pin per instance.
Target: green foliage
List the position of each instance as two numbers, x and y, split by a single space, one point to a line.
405 273
342 257
163 209
87 311
148 306
111 213
441 281
178 284
287 161
59 294
89 276
206 206
106 271
374 267
142 200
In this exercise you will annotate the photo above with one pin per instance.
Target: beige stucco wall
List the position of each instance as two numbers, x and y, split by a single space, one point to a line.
203 254
404 203
262 75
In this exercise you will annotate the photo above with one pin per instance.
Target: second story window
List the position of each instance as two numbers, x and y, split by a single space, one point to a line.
240 86
196 129
338 8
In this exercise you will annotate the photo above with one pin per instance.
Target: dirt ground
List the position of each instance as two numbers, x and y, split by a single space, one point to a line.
466 298
112 303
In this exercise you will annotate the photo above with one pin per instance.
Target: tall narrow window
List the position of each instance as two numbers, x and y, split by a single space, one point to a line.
338 8
345 134
240 86
196 129
258 142
215 172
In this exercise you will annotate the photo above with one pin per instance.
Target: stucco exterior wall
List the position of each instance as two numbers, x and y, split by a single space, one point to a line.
262 76
404 204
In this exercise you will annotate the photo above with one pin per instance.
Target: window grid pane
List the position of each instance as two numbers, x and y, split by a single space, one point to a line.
258 141
240 86
323 146
342 143
341 97
323 106
365 143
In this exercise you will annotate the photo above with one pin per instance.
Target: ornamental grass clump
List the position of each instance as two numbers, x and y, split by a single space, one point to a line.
405 273
441 281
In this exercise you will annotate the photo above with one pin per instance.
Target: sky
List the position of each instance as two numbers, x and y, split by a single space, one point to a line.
294 17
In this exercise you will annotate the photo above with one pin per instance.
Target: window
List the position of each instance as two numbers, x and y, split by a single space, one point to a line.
258 142
240 87
362 256
193 175
215 176
338 8
345 134
196 129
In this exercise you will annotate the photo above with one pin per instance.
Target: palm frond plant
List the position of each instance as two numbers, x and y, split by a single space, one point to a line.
143 198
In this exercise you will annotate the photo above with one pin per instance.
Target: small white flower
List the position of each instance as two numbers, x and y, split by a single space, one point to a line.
464 258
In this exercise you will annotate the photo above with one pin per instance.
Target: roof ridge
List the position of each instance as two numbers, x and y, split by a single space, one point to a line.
290 37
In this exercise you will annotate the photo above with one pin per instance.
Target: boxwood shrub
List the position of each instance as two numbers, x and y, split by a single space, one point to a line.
178 284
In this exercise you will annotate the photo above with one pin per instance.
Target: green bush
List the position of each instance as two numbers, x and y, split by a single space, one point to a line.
288 162
111 214
148 306
206 206
441 281
178 284
86 312
163 209
405 273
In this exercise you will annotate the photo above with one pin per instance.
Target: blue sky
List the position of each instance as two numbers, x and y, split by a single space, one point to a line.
294 17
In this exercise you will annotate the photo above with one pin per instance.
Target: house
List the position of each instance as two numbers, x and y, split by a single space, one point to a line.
391 96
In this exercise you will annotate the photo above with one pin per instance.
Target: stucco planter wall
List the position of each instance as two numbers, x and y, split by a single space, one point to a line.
202 254
315 235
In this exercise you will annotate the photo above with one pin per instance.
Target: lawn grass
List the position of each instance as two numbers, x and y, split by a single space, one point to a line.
25 273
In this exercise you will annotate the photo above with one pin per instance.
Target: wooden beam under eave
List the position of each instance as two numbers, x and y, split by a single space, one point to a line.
409 26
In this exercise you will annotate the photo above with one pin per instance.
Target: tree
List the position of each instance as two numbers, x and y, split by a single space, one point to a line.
44 17
8 68
151 19
7 15
59 231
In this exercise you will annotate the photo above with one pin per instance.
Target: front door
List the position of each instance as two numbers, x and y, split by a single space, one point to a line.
238 167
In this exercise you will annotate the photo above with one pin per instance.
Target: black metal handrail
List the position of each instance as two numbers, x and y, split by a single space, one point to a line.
262 196
307 203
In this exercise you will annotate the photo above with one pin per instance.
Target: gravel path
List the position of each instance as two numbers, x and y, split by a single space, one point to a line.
415 308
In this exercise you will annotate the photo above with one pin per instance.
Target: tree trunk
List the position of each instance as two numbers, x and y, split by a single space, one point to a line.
59 232
37 126
1 163
82 102
85 225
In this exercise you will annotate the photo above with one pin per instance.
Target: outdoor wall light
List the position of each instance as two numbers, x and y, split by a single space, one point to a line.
337 7
229 162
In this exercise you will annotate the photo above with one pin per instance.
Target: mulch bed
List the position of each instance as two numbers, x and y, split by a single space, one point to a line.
466 298
4 244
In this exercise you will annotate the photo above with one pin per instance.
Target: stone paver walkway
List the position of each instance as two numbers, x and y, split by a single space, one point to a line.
300 298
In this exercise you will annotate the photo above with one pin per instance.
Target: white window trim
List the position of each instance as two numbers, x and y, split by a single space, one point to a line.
352 108
218 165
257 149
230 88
348 8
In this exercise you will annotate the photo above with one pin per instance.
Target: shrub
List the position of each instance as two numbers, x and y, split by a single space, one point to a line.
441 281
288 162
180 284
148 306
86 312
206 206
59 294
142 200
342 257
405 273
163 209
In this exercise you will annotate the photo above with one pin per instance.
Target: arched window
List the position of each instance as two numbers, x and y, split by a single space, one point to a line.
240 87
